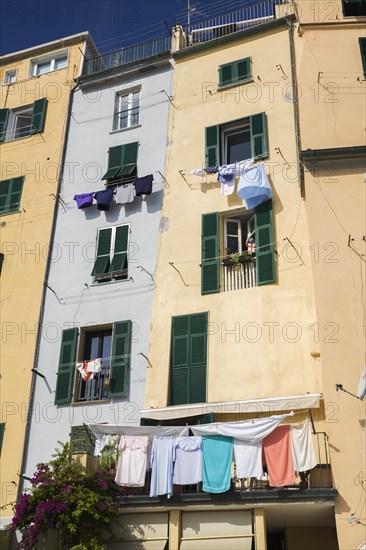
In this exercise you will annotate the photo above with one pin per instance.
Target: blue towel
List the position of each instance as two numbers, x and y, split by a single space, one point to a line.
217 458
254 187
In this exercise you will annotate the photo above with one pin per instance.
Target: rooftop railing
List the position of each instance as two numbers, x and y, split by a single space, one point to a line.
130 54
222 25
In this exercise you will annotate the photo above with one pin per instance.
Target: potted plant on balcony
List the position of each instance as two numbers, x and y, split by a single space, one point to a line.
236 259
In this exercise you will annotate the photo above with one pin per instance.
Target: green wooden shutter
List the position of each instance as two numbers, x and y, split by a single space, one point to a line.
16 194
264 239
5 190
82 441
179 361
66 367
120 261
210 262
198 358
244 69
10 195
258 135
38 116
102 259
2 431
226 74
188 359
362 42
212 145
4 115
115 162
129 158
120 360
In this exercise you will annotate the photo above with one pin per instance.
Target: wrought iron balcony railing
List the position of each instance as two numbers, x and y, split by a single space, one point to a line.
130 54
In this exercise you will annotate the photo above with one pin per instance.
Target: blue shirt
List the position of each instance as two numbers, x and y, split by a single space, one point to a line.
162 466
217 458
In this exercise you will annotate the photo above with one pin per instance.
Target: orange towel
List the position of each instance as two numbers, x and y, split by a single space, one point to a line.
277 455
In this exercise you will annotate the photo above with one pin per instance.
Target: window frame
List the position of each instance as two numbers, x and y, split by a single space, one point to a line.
246 217
16 209
14 115
6 75
84 350
362 44
108 277
215 136
235 80
231 129
72 341
50 58
129 93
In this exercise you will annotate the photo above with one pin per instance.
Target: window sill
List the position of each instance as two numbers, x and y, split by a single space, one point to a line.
102 283
10 213
48 72
125 129
16 139
234 84
78 403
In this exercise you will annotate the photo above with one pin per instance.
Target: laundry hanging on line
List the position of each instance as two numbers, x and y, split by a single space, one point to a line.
87 369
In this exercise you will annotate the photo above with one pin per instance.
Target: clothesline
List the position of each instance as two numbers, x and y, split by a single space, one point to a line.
175 457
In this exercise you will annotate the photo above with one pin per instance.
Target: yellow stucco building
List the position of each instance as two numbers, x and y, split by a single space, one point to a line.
233 327
36 87
331 68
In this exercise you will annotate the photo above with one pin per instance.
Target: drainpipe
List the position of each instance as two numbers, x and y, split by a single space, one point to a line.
295 103
43 300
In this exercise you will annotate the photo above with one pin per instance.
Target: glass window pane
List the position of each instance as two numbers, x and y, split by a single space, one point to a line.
42 68
22 125
231 228
61 63
238 147
232 245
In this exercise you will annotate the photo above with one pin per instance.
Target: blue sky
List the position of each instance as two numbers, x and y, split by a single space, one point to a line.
112 23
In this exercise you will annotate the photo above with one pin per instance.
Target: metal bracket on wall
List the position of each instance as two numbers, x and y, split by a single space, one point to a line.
185 179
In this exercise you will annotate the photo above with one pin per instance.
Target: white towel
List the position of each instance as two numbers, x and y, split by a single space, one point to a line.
303 454
248 459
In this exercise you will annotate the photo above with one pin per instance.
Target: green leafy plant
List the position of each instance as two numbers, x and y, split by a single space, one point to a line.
66 498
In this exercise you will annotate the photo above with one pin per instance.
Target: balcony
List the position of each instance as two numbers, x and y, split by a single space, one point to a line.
236 276
317 484
223 25
125 56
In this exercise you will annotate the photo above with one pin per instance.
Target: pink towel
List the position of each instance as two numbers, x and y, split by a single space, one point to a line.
277 455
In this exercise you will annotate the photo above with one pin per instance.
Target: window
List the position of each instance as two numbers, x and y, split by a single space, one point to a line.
354 7
10 195
254 263
122 163
23 122
111 261
82 440
188 359
127 110
48 63
237 140
97 345
235 72
10 76
362 42
113 344
2 431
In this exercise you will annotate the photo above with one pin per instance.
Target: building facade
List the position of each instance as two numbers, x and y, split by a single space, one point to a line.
330 57
101 280
233 327
35 92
